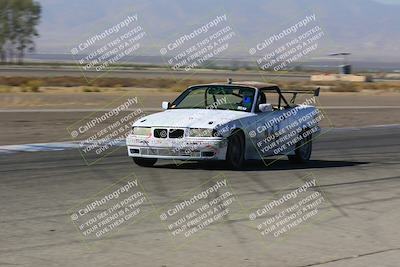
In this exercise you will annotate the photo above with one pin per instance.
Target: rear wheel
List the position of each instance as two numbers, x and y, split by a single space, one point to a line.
303 150
145 162
235 151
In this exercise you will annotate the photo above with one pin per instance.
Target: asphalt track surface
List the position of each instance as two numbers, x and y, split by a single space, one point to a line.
358 170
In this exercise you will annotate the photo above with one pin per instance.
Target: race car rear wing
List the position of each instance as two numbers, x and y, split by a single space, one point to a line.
296 92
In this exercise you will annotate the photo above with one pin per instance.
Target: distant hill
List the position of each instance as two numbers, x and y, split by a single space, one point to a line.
369 29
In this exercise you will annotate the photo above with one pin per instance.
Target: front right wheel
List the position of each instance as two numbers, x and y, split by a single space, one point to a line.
303 150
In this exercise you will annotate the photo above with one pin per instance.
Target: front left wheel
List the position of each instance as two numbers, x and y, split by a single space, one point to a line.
235 151
145 162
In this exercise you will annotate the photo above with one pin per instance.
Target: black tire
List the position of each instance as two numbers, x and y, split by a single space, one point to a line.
144 162
235 151
303 150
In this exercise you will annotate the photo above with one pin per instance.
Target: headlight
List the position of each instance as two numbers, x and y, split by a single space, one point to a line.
201 132
143 131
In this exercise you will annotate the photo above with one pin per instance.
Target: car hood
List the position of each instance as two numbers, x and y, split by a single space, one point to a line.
192 118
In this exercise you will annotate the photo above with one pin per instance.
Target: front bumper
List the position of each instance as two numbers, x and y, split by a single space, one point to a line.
178 149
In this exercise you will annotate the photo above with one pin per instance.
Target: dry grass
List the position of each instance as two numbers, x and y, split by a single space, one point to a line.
87 89
66 81
5 89
30 84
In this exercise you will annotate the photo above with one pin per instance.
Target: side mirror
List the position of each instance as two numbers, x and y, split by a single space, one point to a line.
265 107
165 105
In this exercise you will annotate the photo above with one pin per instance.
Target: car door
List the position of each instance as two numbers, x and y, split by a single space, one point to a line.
272 130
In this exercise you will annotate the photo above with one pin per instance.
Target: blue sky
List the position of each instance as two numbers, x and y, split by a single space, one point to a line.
393 2
368 30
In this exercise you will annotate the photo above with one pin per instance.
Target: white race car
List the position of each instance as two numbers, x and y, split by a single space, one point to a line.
233 121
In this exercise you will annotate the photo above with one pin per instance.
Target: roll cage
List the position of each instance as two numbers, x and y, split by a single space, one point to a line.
282 101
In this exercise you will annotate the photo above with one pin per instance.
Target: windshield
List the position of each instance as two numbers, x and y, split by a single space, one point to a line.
216 97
